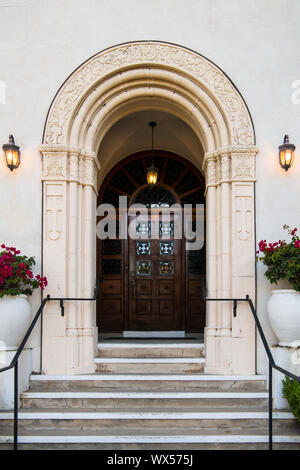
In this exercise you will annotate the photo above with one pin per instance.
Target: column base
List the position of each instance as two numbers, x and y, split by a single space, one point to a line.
69 355
81 370
226 355
216 371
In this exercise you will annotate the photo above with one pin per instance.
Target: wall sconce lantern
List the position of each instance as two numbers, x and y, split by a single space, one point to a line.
11 153
152 171
286 153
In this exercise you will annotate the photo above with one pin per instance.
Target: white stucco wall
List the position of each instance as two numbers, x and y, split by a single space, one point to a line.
256 43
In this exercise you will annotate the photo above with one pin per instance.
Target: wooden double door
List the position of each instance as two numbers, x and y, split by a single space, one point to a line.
150 281
151 284
155 278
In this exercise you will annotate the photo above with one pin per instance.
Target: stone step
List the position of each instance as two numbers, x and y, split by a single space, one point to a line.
165 365
149 381
151 438
150 349
135 399
201 418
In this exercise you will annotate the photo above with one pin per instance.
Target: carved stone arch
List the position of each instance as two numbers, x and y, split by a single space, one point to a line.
108 86
114 64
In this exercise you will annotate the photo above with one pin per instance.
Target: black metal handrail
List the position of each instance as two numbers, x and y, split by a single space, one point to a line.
14 362
272 364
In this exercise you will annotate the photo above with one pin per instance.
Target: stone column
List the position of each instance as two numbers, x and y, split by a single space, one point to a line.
89 332
55 256
243 256
230 342
211 257
69 179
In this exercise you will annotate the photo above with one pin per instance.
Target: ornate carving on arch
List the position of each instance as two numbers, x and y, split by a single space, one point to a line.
154 54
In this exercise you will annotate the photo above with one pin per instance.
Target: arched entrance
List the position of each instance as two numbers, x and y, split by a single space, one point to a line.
153 283
115 83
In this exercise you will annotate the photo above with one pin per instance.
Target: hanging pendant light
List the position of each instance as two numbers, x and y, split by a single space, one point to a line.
152 171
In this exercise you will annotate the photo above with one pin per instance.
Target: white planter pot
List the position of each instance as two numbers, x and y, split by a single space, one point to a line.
15 316
284 315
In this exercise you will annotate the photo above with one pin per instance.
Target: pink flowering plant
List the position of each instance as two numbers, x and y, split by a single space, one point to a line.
16 276
282 259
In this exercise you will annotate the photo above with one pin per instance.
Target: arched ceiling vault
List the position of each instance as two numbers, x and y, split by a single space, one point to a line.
132 134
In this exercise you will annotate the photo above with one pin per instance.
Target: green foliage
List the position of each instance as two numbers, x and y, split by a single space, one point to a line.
282 259
291 392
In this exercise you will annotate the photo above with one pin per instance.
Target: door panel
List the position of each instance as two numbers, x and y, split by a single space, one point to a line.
166 287
111 287
110 311
143 287
195 281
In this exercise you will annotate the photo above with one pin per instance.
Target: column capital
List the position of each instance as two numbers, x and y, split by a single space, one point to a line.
235 163
70 164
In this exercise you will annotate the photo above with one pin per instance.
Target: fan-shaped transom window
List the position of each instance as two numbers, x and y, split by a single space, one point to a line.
178 180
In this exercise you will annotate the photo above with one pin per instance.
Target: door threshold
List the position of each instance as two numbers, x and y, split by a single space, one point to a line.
153 334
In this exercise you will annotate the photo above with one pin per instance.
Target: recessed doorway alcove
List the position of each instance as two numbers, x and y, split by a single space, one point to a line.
121 81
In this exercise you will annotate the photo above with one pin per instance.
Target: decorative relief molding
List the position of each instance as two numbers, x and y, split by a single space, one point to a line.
48 148
218 171
70 165
243 167
211 172
87 332
251 149
73 167
154 54
55 165
225 162
230 165
81 168
54 211
243 218
90 172
245 149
